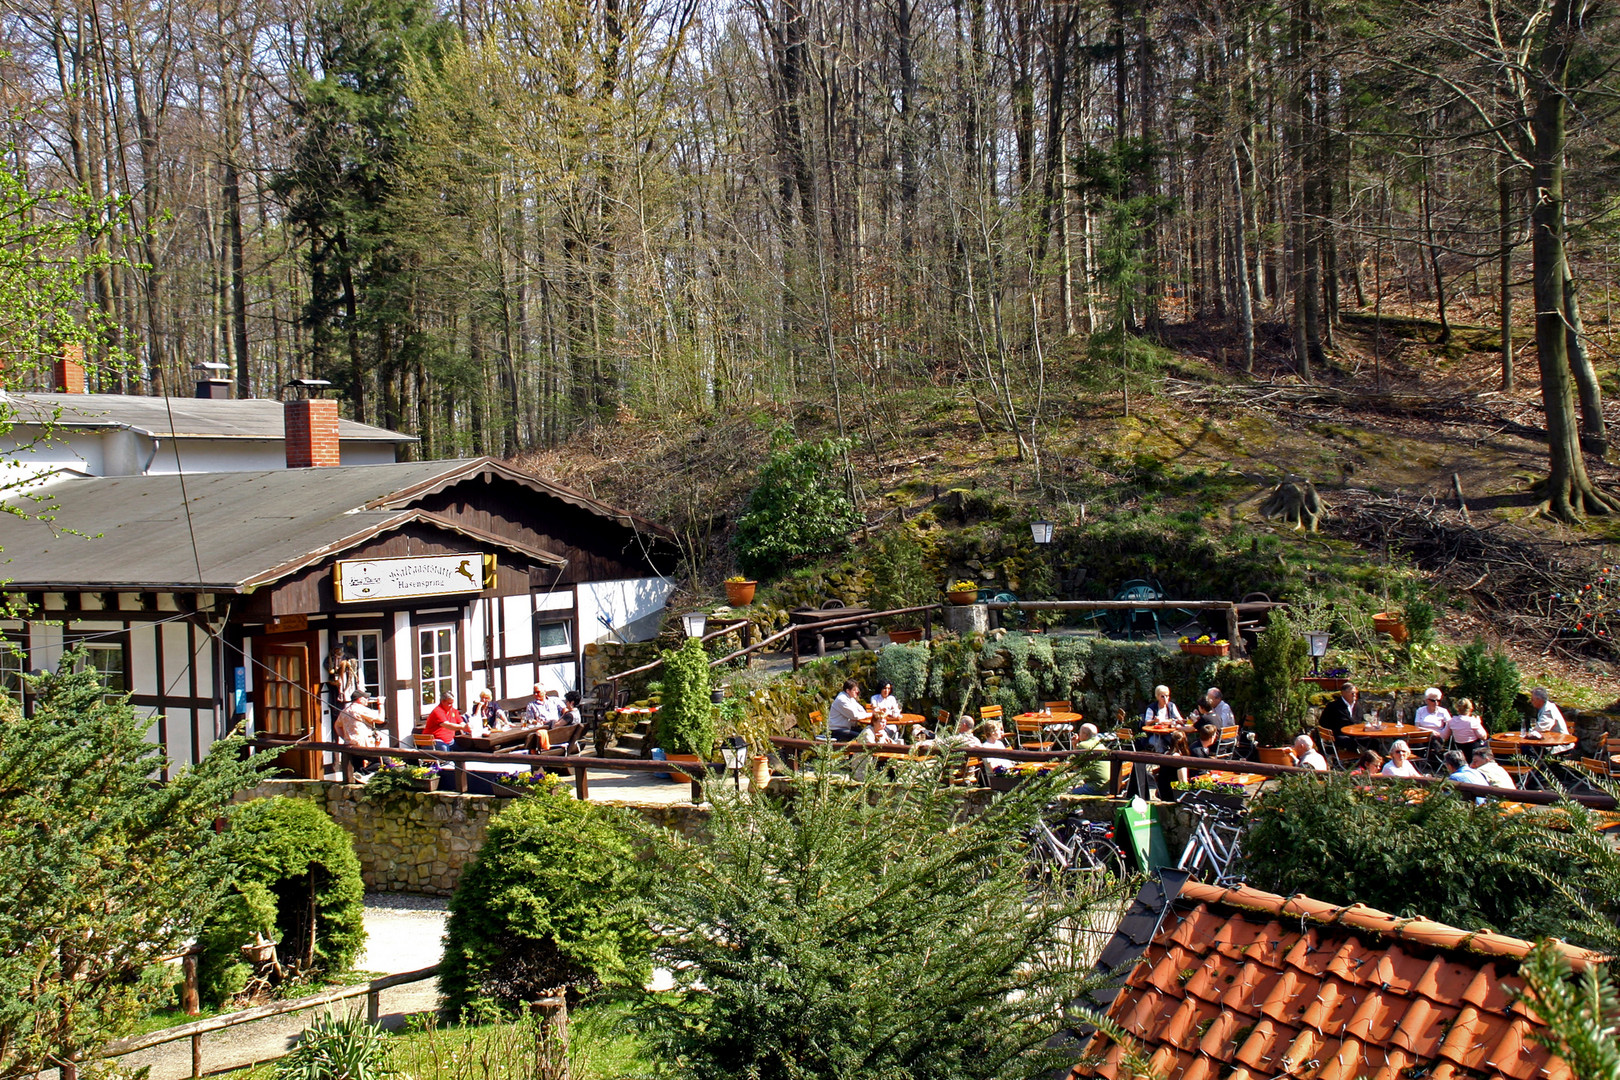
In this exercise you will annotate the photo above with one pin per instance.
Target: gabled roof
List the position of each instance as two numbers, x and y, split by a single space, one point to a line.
250 528
1243 984
192 418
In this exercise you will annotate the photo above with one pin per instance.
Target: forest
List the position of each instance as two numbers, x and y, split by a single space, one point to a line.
497 224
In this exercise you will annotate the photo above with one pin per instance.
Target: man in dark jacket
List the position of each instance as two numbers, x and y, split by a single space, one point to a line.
1339 713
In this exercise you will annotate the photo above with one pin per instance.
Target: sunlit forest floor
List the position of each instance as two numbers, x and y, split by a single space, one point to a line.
1396 419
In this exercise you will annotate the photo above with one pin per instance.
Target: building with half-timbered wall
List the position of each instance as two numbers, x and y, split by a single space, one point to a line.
218 596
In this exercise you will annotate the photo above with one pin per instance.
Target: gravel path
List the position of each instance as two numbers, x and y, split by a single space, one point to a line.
402 934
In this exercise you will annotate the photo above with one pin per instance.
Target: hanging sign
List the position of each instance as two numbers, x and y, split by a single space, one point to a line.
357 580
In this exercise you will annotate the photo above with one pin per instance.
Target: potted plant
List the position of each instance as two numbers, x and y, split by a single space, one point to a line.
1392 624
906 636
391 778
740 590
1330 680
686 716
962 592
1205 645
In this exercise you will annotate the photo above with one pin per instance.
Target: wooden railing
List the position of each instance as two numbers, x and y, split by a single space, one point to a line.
195 1030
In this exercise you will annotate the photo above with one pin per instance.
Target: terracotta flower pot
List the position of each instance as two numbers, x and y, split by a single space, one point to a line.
964 598
675 759
740 593
430 783
762 773
903 637
1393 625
1324 682
1204 648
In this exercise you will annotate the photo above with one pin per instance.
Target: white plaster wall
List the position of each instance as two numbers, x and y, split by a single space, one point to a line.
634 605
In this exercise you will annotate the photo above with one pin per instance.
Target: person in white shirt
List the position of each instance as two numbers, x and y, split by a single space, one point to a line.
884 701
1161 710
357 725
962 736
1400 761
847 714
992 735
1306 757
542 711
1431 715
1485 764
1216 710
1548 716
876 732
1465 728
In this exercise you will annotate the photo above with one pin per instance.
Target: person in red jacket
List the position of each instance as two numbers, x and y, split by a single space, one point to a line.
444 723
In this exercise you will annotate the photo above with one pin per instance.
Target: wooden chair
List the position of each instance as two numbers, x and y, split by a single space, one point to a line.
1030 735
1226 744
1612 749
1600 767
1060 706
818 723
990 712
1506 753
1329 747
1276 755
421 741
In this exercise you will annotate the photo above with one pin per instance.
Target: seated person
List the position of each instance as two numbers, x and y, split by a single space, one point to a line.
876 732
1400 760
1207 736
1484 763
1456 768
993 736
1305 755
1465 728
1431 715
1368 763
1093 771
485 716
1340 713
1215 710
884 701
1167 776
847 715
1549 718
1161 710
444 723
962 736
542 711
570 714
359 725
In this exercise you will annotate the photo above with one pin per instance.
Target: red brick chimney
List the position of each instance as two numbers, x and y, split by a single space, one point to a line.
312 433
70 369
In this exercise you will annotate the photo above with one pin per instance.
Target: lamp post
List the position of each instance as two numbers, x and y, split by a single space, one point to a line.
1317 640
735 755
1041 531
693 622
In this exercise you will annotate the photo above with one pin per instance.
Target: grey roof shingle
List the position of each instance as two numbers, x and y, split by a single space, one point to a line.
132 532
197 418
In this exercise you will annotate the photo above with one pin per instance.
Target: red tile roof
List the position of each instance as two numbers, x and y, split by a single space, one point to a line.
1239 984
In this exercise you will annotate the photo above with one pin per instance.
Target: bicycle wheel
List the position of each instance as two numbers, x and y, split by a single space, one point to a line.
1099 856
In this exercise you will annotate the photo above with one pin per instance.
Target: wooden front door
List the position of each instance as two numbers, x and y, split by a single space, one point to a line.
285 695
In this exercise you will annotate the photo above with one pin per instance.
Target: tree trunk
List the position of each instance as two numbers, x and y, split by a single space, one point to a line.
1594 436
1240 256
1504 223
1569 491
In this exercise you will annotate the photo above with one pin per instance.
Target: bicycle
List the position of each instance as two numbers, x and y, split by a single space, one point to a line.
1060 855
1213 852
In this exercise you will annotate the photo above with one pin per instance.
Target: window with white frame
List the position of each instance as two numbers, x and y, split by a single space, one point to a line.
12 665
365 649
551 635
106 659
436 663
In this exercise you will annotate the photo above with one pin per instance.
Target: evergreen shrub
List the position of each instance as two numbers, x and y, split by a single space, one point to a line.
1281 701
1491 679
549 902
286 858
798 509
686 713
1530 874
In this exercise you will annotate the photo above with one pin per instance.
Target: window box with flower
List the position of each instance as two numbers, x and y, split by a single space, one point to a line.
1205 645
962 592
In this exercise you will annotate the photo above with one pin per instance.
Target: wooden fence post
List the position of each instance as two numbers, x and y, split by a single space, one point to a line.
196 1056
582 783
190 998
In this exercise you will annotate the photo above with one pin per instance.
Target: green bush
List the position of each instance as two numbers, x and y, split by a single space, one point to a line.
905 569
1528 874
1281 659
906 666
821 938
287 861
1489 677
799 508
337 1048
550 901
686 715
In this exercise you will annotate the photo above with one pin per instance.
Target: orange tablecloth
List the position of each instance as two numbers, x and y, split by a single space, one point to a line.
1055 718
1530 742
1388 731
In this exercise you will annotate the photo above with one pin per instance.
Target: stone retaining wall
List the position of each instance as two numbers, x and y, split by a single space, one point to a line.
421 842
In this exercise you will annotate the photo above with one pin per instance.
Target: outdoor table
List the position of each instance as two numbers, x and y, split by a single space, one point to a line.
809 621
1387 731
1064 721
637 710
1164 729
495 741
907 719
1220 776
1543 741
